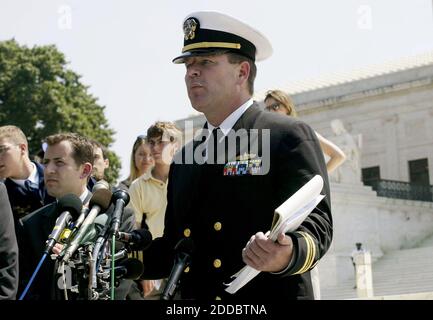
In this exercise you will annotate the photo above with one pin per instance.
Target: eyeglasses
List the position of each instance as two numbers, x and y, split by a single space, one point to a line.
275 107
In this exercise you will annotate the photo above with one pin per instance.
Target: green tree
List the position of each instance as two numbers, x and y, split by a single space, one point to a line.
42 96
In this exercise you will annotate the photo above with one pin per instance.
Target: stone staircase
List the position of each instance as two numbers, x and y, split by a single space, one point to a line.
397 272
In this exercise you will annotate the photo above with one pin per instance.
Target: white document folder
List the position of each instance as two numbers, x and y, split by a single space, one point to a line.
287 217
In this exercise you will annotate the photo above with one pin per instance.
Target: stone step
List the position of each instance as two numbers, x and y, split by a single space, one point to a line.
427 242
403 277
399 272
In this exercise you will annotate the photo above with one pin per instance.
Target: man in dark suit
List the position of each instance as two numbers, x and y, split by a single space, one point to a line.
227 207
68 165
8 249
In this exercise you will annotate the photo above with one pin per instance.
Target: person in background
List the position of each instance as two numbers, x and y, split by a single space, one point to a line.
149 191
140 163
8 249
68 165
279 102
100 162
24 179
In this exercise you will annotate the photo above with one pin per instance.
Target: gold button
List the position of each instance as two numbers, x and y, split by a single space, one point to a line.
217 226
217 298
187 232
217 263
186 270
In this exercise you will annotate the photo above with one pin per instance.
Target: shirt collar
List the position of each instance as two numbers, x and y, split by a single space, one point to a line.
230 121
149 176
84 195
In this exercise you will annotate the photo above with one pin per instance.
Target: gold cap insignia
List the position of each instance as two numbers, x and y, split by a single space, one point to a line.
189 28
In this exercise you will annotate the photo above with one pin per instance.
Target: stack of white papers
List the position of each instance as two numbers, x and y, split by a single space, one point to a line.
287 218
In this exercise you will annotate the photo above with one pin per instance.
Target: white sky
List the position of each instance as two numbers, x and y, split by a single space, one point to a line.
123 49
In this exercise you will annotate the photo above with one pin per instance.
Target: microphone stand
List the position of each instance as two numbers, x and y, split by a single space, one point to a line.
96 254
33 276
113 251
121 200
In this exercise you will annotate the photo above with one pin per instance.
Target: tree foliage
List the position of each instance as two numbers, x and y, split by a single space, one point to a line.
42 96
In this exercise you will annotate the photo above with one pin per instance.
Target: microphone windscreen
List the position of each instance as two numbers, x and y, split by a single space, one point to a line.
71 203
120 194
145 239
102 198
134 268
101 184
185 245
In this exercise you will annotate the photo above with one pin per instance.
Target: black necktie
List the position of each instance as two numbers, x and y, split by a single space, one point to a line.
30 186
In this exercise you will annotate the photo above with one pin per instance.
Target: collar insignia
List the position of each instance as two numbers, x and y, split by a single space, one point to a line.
246 156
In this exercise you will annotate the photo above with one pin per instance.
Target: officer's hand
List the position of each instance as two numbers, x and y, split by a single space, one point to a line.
264 254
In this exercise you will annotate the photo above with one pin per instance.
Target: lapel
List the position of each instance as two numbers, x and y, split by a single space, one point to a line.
186 176
247 119
49 216
246 122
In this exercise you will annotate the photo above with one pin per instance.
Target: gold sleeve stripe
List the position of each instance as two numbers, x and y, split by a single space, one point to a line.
200 45
313 256
315 264
311 252
307 255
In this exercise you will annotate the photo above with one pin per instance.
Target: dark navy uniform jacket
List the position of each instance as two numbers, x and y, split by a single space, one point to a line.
24 201
220 209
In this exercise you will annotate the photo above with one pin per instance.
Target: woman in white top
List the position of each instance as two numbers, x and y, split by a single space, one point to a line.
279 102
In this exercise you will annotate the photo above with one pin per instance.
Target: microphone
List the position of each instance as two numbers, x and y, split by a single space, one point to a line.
69 206
138 239
184 249
101 184
120 199
129 269
100 202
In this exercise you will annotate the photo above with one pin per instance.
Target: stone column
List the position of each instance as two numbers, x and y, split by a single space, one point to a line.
364 275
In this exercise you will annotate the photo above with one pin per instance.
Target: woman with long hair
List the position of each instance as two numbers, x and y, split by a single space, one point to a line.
280 102
141 161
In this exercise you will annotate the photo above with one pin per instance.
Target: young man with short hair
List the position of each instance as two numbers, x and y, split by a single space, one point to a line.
24 179
68 166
